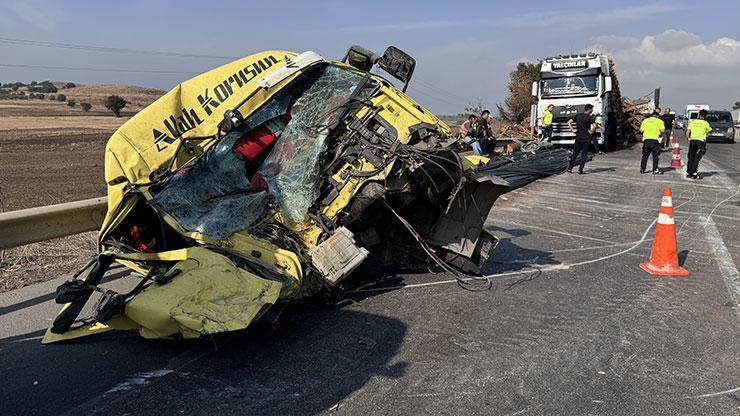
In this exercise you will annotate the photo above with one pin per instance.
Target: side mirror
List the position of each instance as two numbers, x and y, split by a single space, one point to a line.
607 84
361 58
534 89
399 64
394 61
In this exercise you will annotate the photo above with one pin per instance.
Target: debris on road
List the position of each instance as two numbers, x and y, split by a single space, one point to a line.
522 168
272 179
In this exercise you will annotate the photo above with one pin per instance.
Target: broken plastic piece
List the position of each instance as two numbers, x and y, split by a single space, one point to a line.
338 255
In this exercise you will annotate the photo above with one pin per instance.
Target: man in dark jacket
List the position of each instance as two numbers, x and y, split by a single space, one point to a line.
668 119
485 133
583 126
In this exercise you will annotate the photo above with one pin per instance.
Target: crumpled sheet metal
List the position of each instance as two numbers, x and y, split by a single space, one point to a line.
210 295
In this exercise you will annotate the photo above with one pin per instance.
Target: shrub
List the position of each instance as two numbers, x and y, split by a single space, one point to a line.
52 97
85 107
70 85
71 103
115 104
43 88
61 98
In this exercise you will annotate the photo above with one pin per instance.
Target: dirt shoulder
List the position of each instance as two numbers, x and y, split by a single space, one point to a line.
49 154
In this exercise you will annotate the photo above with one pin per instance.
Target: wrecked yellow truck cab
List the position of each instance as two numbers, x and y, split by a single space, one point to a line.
270 179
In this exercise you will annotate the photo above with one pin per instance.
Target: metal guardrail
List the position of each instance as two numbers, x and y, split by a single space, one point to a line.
44 223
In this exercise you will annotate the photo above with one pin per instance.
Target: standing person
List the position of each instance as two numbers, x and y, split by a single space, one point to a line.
485 133
582 126
547 123
697 134
468 131
668 121
652 129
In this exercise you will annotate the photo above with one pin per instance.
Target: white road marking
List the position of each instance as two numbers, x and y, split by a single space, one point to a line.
719 393
139 379
726 265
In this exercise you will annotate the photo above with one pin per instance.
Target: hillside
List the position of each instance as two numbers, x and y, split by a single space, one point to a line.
138 97
19 99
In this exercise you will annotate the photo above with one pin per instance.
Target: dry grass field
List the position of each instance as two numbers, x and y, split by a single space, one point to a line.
52 153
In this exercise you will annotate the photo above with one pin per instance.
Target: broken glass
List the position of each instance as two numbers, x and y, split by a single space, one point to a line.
292 168
214 196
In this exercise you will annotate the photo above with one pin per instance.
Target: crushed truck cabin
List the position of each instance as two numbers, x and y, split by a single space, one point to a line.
273 178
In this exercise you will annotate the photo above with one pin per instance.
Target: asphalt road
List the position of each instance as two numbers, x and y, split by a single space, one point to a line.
572 325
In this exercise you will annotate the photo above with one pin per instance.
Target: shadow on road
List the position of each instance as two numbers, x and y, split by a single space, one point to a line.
682 256
599 170
312 362
508 256
50 296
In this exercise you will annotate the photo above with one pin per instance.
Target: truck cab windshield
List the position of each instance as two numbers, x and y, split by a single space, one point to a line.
569 86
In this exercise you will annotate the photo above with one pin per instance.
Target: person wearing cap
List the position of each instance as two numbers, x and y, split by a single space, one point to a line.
668 121
652 129
547 123
697 134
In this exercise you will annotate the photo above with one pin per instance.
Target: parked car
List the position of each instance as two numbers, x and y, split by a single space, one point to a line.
723 127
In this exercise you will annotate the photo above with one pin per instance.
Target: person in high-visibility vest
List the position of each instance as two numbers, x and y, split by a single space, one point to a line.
547 123
697 134
652 129
468 133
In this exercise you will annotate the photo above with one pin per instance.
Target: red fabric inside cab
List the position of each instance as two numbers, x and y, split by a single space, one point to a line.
253 144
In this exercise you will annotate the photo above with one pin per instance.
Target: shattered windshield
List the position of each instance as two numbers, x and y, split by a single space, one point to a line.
272 160
719 117
569 86
292 168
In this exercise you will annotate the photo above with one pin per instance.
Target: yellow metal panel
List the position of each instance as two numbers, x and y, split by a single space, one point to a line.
472 161
210 295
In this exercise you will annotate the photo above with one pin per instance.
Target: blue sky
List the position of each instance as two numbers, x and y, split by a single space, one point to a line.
464 50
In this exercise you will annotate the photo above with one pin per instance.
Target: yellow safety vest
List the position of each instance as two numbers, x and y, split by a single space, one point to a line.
547 118
651 128
699 129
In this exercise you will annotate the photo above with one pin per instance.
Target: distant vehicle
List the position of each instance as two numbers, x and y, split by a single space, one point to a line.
692 111
722 126
681 122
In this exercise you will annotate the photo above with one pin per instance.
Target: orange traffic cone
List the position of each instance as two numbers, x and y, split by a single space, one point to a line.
676 161
664 256
673 142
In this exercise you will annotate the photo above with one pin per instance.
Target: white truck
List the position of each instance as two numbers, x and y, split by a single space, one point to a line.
569 82
692 111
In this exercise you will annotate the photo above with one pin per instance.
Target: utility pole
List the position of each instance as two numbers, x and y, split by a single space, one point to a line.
657 97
